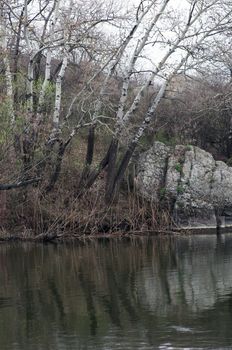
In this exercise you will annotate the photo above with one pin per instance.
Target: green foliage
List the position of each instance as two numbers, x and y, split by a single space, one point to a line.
19 84
179 167
5 114
229 161
163 137
49 94
146 141
18 164
189 148
180 189
180 205
162 192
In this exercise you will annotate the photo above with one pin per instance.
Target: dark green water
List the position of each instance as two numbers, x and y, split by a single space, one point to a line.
147 294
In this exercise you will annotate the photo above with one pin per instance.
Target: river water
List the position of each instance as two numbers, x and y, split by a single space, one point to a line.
160 293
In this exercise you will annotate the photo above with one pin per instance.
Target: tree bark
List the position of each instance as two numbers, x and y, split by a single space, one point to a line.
111 170
89 156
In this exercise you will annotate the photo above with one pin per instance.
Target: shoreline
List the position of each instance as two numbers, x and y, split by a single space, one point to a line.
62 238
69 237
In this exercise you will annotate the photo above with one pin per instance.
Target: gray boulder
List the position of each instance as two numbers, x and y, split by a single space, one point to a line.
196 188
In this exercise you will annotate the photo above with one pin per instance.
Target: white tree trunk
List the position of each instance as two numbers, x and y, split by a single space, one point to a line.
138 49
46 81
30 70
47 77
9 87
6 62
56 115
30 84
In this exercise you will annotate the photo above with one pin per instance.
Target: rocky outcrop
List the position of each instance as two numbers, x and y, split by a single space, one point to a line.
196 188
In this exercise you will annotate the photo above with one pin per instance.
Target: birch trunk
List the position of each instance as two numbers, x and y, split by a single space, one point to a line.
16 57
30 84
47 77
45 82
56 115
30 71
9 88
6 62
139 48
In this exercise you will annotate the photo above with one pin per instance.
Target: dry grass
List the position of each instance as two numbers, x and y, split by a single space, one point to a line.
62 213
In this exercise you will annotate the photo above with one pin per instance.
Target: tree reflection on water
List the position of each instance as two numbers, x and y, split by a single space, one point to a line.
138 294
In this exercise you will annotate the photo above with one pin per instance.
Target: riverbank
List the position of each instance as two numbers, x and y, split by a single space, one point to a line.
62 216
51 220
63 238
67 237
